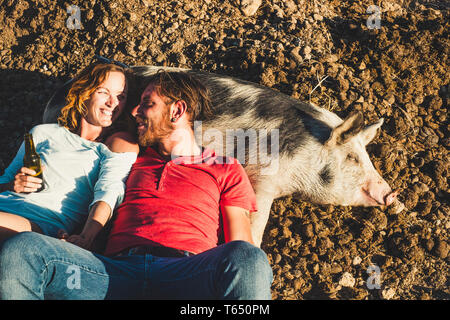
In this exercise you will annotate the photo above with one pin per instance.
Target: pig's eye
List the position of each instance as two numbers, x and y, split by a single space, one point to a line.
353 157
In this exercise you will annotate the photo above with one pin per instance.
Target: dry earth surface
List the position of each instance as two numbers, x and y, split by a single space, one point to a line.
318 51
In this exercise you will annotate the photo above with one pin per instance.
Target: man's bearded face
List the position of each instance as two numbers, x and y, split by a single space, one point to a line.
152 118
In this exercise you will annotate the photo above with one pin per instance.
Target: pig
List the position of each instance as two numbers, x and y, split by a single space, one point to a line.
313 152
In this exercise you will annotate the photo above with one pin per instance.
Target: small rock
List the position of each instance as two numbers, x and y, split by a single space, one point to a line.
345 238
396 207
317 17
278 11
441 249
287 233
411 199
332 58
421 187
306 50
277 258
316 268
290 5
296 55
182 59
90 14
336 268
388 294
132 16
347 280
160 58
390 99
357 260
309 232
418 162
298 283
249 7
429 244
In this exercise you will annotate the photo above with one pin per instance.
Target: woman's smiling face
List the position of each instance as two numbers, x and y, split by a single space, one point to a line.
108 100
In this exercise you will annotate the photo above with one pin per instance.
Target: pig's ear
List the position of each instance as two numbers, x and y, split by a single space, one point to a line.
351 126
370 131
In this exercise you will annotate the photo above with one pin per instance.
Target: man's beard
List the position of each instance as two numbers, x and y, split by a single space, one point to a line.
155 132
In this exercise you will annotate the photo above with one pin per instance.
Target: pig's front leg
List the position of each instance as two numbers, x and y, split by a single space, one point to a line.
259 219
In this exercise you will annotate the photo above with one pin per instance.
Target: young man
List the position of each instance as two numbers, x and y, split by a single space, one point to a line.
163 243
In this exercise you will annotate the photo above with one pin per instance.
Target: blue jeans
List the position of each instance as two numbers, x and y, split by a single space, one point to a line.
35 266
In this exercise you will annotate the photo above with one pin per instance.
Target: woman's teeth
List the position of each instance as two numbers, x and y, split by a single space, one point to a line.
106 112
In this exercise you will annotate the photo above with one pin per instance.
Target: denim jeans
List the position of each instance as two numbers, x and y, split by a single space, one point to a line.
35 266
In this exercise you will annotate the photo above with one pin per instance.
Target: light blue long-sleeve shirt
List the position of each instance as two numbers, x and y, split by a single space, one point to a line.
77 173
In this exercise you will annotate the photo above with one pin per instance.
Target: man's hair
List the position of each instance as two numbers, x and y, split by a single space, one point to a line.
175 86
83 86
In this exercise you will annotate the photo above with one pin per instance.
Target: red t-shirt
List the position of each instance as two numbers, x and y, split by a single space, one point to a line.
177 203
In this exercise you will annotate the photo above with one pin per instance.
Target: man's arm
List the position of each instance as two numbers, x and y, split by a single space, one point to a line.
98 216
236 224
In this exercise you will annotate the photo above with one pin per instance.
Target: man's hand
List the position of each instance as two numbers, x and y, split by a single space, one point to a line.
98 216
78 240
25 182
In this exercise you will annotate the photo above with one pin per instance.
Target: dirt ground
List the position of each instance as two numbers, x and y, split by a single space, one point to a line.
318 51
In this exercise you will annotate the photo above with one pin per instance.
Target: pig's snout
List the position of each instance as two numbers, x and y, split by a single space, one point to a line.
378 193
390 198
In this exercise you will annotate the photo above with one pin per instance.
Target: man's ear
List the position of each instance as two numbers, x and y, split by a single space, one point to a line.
351 126
178 109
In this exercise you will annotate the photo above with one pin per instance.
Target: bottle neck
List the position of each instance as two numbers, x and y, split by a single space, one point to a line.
29 144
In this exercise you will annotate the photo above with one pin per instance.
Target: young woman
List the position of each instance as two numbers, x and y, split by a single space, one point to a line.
86 158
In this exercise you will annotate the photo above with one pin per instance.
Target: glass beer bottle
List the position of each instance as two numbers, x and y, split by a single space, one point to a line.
31 159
